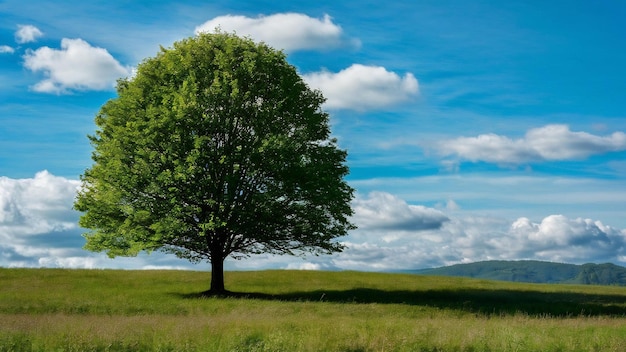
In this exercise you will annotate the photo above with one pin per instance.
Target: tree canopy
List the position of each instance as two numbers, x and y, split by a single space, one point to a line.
215 148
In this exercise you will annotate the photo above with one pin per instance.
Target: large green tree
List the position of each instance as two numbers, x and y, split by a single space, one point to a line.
215 148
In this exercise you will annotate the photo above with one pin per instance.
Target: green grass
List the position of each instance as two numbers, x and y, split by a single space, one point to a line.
108 310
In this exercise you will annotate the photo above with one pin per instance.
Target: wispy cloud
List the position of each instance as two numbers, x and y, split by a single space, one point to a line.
361 87
550 142
76 66
27 34
5 49
288 31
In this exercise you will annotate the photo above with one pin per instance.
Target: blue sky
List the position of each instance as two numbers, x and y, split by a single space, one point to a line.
475 130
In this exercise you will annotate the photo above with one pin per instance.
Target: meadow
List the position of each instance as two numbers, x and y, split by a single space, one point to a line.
113 310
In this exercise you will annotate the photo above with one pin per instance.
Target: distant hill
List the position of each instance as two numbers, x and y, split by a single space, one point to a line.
536 272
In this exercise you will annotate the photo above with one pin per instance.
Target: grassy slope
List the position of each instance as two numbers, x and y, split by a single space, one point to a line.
536 271
49 309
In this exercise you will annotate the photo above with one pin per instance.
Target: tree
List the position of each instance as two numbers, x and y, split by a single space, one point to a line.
215 148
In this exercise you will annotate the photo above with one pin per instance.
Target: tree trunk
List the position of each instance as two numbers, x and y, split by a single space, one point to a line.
217 276
217 272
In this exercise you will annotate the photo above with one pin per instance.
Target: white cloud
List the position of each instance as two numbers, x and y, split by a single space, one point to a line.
288 31
68 262
557 142
558 238
27 34
76 66
5 49
384 241
550 142
540 194
304 266
451 205
361 87
381 210
36 205
365 256
37 222
476 238
39 228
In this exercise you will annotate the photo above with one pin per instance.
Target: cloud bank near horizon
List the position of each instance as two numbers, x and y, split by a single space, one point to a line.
38 228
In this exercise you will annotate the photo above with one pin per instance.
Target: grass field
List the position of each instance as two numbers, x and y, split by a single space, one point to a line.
108 310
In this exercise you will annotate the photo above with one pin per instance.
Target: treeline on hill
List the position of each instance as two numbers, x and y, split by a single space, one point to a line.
535 272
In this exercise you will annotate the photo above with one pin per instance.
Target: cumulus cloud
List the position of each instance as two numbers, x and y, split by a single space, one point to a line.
5 49
36 205
39 228
554 238
27 34
37 220
76 66
458 240
288 31
363 87
559 238
393 235
551 142
384 211
474 238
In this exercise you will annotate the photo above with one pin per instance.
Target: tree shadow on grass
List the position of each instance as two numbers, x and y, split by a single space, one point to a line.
479 301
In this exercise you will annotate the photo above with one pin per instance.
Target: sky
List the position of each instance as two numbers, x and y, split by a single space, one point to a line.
475 130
